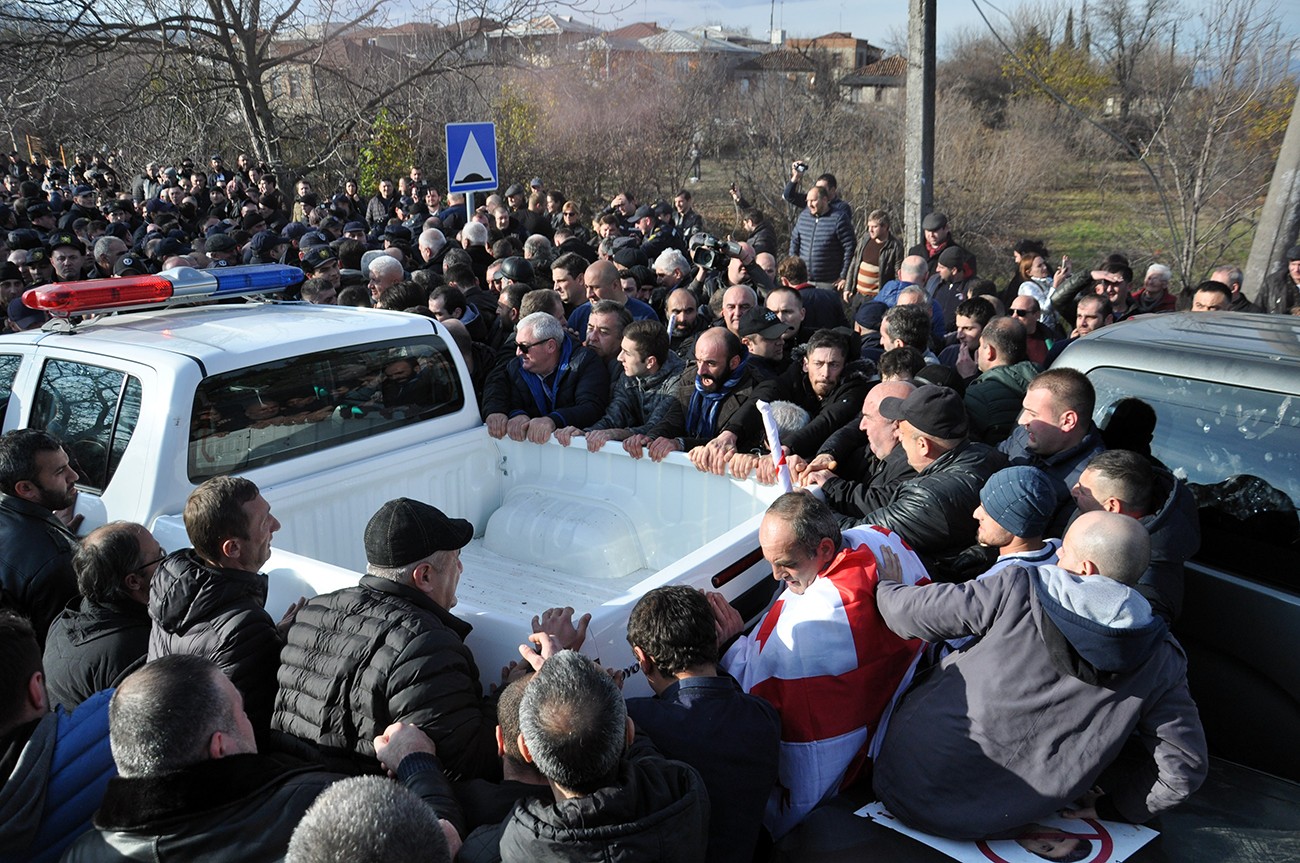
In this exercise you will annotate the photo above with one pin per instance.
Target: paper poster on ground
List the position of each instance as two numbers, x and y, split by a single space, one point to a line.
1083 841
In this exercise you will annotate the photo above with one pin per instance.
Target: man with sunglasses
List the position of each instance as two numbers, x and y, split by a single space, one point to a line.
551 383
1039 337
94 645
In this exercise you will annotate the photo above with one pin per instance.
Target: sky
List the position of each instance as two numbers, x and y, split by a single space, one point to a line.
882 22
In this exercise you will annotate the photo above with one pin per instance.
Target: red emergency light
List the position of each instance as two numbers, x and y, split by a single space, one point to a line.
177 285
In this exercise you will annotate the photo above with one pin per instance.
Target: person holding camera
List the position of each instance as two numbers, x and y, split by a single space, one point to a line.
826 182
824 238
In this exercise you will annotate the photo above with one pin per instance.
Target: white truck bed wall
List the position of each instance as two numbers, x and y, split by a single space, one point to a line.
554 526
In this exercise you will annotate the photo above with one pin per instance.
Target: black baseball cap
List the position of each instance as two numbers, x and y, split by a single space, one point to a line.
934 410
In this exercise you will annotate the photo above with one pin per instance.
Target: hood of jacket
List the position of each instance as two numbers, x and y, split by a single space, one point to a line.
643 816
1109 625
187 591
1175 523
143 803
93 620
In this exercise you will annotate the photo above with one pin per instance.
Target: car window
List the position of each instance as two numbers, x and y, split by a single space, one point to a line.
1239 451
93 411
272 412
9 364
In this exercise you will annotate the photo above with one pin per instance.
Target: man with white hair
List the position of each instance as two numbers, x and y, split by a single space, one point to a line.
1154 294
474 234
672 269
552 382
385 271
431 244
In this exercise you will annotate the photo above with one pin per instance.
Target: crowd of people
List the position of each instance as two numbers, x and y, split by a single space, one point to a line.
989 575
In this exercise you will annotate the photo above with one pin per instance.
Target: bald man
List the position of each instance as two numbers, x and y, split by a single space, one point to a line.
854 482
1069 664
602 283
708 394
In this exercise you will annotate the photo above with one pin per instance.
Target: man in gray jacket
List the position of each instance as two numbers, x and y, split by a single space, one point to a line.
1070 666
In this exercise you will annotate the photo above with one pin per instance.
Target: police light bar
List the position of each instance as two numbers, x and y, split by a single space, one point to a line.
170 287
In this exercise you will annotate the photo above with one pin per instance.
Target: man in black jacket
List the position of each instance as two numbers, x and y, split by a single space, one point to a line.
609 804
389 650
36 481
855 475
191 783
932 512
553 382
208 600
823 382
92 647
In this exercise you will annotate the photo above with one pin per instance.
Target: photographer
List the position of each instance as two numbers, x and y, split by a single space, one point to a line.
722 264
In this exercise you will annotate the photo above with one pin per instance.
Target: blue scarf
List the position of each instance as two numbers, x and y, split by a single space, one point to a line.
703 411
543 393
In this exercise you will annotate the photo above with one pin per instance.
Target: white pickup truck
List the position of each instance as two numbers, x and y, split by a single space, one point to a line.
332 411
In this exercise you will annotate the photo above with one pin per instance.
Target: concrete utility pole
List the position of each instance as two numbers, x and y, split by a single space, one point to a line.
1279 221
918 166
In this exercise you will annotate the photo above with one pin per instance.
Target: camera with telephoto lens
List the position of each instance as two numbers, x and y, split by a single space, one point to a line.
713 254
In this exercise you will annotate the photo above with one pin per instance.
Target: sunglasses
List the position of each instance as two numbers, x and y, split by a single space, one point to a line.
1023 313
524 348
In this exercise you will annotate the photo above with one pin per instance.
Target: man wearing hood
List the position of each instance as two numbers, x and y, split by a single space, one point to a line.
612 800
1127 483
1070 664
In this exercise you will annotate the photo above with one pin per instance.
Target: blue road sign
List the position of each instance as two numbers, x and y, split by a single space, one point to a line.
471 157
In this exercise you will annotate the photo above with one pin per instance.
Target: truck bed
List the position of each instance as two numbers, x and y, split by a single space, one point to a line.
554 526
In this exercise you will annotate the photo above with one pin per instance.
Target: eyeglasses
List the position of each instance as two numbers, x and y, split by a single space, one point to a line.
570 213
145 566
524 348
1023 313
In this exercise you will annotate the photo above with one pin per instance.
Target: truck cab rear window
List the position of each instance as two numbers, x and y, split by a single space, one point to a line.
1239 451
277 411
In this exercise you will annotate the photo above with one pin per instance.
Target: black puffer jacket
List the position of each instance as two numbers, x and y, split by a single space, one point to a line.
363 657
92 647
933 512
658 811
217 613
36 577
